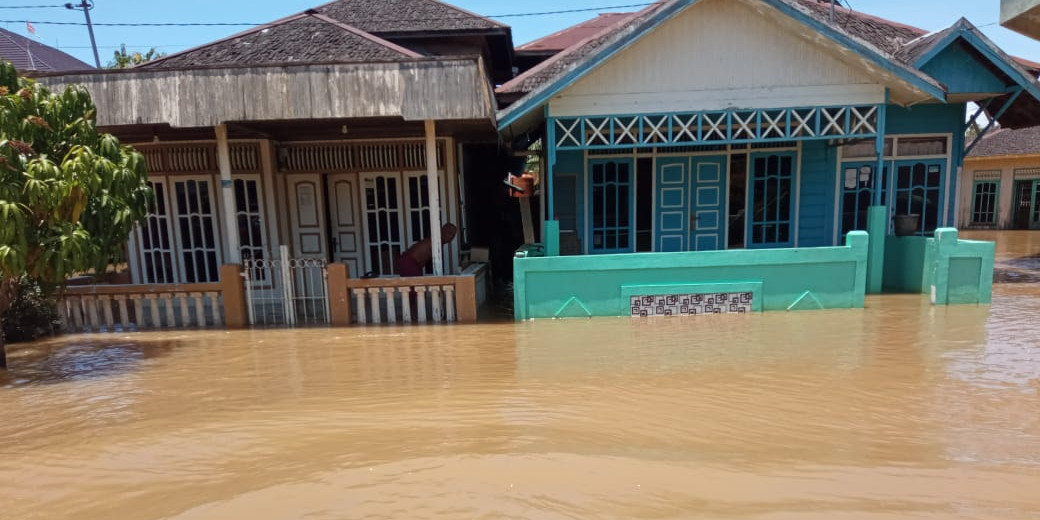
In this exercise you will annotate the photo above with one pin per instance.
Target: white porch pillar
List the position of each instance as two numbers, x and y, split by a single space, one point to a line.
227 188
436 249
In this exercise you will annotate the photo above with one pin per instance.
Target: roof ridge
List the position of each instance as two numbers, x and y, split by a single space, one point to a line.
309 13
467 12
364 34
27 48
572 27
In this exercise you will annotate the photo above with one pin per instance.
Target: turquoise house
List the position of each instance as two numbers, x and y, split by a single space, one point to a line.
702 125
711 125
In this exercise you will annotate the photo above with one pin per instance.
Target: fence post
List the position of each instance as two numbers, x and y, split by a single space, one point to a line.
233 287
339 295
466 298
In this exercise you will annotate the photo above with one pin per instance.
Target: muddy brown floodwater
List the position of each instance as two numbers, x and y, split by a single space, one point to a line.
901 410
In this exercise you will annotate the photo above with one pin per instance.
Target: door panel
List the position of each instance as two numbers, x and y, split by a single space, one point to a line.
382 220
672 210
708 229
611 205
307 210
919 188
345 223
195 215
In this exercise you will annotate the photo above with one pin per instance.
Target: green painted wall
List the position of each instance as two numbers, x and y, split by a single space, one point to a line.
955 271
582 286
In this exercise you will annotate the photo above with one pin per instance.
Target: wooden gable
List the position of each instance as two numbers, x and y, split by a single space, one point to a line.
720 54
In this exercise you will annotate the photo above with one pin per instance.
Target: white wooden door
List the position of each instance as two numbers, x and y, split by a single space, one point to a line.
347 239
195 213
307 213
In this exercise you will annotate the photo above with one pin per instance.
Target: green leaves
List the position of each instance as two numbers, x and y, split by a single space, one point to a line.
69 196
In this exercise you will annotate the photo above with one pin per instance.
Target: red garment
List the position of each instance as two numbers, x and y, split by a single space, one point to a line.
406 266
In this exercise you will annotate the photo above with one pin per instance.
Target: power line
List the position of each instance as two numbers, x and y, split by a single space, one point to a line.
399 20
31 6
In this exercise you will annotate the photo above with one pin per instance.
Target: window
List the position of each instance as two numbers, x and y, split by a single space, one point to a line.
984 205
383 225
919 192
250 217
917 146
772 180
156 243
858 182
611 203
197 225
865 149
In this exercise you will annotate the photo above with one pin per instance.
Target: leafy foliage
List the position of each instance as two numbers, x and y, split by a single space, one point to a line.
32 313
124 60
69 195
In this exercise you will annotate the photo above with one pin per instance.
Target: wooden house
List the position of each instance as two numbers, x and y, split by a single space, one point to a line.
714 124
341 134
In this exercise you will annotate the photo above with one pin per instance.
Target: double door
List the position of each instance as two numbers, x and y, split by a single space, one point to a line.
691 203
363 220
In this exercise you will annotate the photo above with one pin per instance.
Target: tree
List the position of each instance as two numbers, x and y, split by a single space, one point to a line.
123 60
69 195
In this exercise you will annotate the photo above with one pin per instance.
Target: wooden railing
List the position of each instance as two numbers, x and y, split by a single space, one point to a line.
107 308
429 299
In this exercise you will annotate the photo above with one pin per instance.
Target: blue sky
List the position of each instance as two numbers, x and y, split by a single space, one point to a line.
927 14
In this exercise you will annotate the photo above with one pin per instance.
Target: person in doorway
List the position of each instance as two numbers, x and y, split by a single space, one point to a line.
416 258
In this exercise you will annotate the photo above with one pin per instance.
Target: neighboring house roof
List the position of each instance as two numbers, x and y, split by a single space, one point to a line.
565 60
561 40
398 16
27 54
305 38
1023 141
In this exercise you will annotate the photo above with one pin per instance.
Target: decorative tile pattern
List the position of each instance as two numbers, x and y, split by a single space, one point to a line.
691 304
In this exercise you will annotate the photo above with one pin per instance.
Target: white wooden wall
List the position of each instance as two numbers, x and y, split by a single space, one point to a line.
719 54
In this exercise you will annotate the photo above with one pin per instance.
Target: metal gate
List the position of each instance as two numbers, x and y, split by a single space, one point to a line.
287 291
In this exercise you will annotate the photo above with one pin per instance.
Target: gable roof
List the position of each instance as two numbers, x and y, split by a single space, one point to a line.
304 38
27 54
866 35
401 16
1004 141
565 38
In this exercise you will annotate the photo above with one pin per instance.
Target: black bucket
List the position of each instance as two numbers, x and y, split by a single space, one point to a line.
906 225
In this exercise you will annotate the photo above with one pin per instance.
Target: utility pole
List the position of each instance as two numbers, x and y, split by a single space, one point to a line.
86 6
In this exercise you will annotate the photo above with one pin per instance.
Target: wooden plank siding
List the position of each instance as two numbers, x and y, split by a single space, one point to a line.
438 89
720 54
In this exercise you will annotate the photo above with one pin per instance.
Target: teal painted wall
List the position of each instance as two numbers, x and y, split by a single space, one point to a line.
961 271
925 119
818 185
571 286
961 72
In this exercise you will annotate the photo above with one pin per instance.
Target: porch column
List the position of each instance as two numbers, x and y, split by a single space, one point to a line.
436 248
227 189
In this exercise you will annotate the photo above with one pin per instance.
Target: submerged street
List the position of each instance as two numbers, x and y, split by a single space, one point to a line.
900 410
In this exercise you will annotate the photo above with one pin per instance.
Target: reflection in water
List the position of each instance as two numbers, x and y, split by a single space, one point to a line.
902 410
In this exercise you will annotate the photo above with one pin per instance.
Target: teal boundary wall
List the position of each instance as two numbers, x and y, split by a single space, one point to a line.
952 271
601 285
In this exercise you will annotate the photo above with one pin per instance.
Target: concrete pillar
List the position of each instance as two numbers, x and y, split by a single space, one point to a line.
227 189
233 287
466 298
552 238
339 295
435 198
877 228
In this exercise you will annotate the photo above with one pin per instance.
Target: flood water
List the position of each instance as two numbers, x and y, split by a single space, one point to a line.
898 411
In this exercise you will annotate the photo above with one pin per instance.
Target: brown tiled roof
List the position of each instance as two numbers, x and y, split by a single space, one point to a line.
397 16
885 35
27 54
304 38
1024 141
561 40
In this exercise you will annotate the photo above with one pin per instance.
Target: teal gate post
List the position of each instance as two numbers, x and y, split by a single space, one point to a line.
877 228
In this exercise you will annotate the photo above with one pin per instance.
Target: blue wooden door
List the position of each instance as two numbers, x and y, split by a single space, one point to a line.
708 203
691 203
673 183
